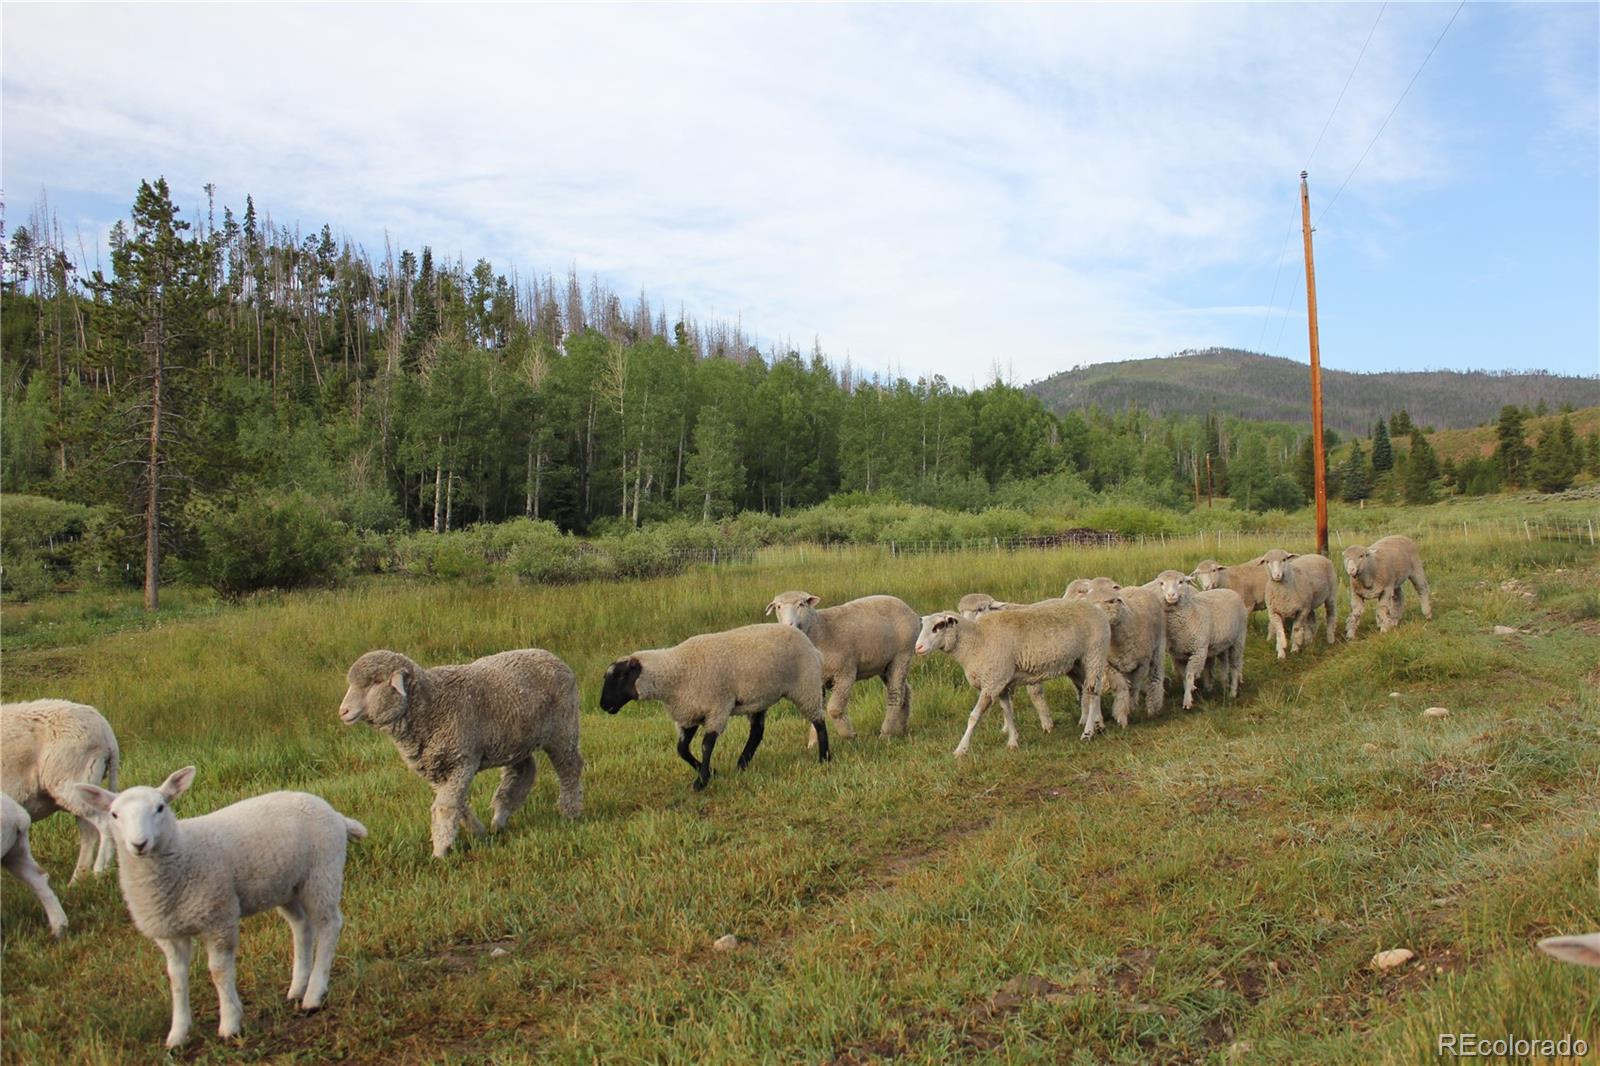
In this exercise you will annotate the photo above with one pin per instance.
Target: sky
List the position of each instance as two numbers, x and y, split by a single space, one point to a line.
961 190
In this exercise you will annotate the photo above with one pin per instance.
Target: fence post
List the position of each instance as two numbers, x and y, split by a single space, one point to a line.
893 550
1591 532
1526 532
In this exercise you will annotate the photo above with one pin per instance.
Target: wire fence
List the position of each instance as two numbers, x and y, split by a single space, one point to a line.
1577 530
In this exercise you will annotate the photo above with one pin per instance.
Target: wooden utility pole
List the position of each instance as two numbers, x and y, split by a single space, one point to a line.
1318 461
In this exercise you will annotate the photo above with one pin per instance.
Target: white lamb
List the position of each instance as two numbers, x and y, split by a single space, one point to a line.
197 877
46 747
18 859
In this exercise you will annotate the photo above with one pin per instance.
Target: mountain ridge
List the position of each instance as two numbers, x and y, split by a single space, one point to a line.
1270 388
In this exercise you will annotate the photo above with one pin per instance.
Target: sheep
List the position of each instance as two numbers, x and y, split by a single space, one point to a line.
1205 627
867 637
709 678
1136 663
1297 585
199 876
1084 588
1379 572
1246 578
47 746
1024 646
16 857
976 604
450 722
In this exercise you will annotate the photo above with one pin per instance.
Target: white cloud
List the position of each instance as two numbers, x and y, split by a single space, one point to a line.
931 188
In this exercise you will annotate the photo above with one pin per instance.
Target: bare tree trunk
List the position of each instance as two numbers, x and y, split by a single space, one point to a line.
538 479
152 507
449 498
438 479
527 508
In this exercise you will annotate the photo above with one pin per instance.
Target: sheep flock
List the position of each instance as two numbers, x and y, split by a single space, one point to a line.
195 878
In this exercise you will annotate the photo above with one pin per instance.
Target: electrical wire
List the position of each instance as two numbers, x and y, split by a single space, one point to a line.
1346 88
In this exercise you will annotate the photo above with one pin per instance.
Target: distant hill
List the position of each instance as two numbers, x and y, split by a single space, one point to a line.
1268 388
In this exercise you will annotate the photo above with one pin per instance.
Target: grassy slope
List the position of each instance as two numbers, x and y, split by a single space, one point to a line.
1199 882
1480 440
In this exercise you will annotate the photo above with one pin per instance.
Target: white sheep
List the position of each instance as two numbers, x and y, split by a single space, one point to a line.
46 747
1246 578
707 679
450 722
975 605
1136 664
1297 585
1024 646
1379 572
16 857
199 876
867 637
1204 628
1085 587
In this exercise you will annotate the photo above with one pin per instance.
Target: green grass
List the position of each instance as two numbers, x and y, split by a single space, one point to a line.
1203 886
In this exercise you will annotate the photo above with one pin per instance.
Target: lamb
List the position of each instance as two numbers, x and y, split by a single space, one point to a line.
47 746
1204 628
1024 646
1297 585
709 678
16 857
1136 663
1379 573
197 877
450 722
867 637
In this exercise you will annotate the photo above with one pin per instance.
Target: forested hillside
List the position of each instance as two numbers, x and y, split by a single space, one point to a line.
231 394
1263 387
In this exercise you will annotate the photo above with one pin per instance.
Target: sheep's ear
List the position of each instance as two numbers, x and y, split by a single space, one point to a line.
177 784
773 606
1583 950
1291 555
999 605
944 623
811 601
1118 588
397 681
93 797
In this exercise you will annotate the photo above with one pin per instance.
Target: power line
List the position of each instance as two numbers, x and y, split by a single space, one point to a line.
1347 81
1392 110
1272 301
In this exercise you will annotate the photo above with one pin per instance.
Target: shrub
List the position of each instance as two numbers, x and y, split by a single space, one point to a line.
269 541
24 576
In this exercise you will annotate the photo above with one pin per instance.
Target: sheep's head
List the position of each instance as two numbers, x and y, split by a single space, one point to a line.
1174 585
1357 559
1276 561
381 683
1110 603
1208 574
937 629
620 685
795 609
141 817
977 604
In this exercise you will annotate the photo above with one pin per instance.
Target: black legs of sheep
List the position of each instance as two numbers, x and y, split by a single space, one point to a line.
708 743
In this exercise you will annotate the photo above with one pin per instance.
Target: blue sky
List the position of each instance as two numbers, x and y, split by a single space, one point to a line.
927 189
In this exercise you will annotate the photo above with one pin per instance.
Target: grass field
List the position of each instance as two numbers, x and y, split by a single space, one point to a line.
1203 886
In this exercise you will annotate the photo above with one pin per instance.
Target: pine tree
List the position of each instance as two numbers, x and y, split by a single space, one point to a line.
1355 476
1511 450
1422 468
1552 468
1400 424
1382 449
1591 460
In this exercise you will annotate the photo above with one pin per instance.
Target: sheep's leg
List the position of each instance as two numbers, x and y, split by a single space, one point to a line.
19 860
178 952
294 912
1298 629
1040 704
326 938
1278 636
1008 719
1122 689
758 729
1391 606
1191 674
108 846
516 781
88 843
839 705
1358 606
221 951
708 741
896 697
1331 609
685 735
568 765
1093 721
1419 581
450 809
984 699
